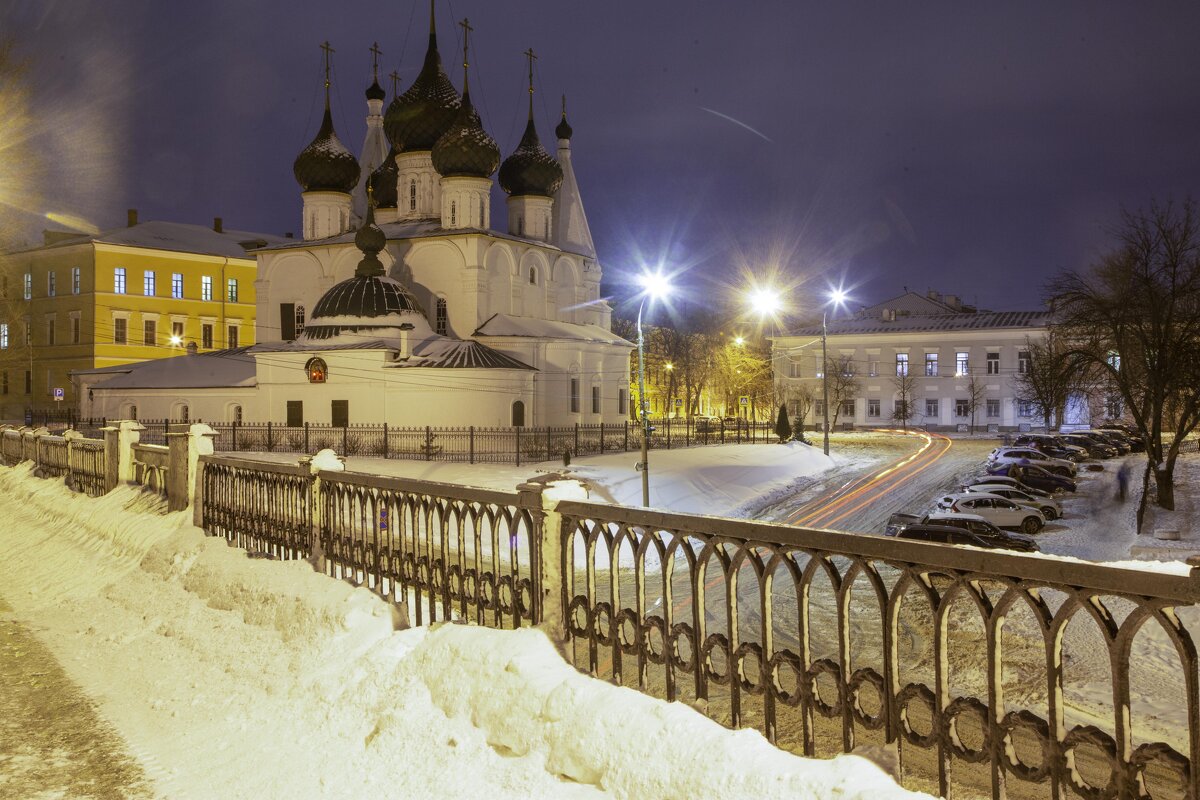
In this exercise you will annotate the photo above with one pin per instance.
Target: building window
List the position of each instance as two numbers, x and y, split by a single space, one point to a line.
339 413
847 408
993 364
931 407
119 280
993 408
481 215
901 364
206 335
962 408
1023 362
453 212
3 335
316 370
231 290
206 287
532 276
518 414
962 364
51 283
120 325
28 287
28 331
873 368
1114 407
287 321
872 408
237 415
75 329
520 226
75 280
231 336
441 322
28 381
148 284
149 332
1024 408
4 382
900 410
184 413
819 408
622 401
177 285
50 329
412 195
299 319
595 399
931 364
295 413
574 395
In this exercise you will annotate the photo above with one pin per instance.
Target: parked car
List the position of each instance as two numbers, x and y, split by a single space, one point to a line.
995 480
1095 447
950 528
1115 438
1020 455
1051 509
1000 511
1136 443
706 424
1051 445
1034 476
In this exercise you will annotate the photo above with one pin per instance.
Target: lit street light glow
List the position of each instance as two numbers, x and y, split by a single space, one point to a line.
655 285
176 341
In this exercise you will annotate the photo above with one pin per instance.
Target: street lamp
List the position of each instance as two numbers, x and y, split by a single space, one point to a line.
768 301
654 285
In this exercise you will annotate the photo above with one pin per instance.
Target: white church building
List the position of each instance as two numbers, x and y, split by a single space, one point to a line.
401 303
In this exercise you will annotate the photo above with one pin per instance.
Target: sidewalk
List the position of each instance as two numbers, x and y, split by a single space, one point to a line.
52 743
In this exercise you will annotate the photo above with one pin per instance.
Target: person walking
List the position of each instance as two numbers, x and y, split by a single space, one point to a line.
1123 481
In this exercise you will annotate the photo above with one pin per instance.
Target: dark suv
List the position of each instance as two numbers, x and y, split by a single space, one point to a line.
961 530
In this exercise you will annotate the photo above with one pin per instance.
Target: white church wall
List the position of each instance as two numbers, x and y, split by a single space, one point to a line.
435 269
290 276
210 405
530 285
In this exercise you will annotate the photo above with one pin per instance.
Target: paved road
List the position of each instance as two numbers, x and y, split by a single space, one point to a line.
53 744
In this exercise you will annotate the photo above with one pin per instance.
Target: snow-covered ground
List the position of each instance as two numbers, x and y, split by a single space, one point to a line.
231 677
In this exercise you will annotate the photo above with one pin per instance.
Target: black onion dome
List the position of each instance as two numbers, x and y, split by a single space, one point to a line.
383 180
530 169
358 305
416 119
466 149
563 131
326 165
375 91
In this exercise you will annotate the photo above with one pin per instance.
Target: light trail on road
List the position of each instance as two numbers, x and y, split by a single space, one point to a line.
829 509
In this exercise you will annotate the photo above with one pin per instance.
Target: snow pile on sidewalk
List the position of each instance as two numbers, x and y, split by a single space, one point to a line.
236 677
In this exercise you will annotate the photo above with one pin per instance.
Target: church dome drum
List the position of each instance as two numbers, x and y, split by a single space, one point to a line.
530 170
326 165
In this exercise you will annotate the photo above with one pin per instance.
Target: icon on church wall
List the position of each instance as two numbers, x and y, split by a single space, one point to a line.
316 370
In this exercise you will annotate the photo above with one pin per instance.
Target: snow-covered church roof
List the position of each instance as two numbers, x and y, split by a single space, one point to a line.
509 325
212 370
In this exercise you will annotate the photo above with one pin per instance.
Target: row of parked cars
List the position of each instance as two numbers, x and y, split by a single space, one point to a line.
1018 490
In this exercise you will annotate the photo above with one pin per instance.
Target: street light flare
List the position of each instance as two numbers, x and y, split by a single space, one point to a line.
655 284
765 301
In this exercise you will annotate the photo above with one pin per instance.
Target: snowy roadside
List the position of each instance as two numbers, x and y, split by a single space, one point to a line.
234 677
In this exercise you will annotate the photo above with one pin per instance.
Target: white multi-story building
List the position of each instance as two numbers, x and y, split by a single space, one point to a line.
940 343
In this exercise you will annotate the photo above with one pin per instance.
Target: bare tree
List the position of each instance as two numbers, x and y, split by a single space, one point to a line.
843 385
1050 375
1135 317
905 386
975 392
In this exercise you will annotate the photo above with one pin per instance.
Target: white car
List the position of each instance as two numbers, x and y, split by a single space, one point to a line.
1050 508
1000 511
1027 455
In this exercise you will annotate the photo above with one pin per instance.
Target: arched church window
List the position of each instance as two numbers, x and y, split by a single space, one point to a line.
532 276
412 195
184 413
441 319
481 216
518 414
453 213
316 370
299 318
237 414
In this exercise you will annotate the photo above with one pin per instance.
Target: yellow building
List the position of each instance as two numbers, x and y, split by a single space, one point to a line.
130 294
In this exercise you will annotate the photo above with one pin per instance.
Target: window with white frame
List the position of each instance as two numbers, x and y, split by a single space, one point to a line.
993 364
1114 407
595 399
931 365
231 290
299 318
231 336
1024 362
148 283
206 287
901 364
992 408
76 280
931 407
962 407
119 280
962 363
51 283
441 317
622 401
50 329
873 368
873 407
847 408
28 285
206 335
574 395
149 332
1024 408
3 335
75 327
120 330
177 285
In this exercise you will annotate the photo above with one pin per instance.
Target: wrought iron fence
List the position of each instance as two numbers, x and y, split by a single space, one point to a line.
52 456
263 508
979 664
87 466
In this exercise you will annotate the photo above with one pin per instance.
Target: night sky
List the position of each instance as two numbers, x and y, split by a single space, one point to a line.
966 148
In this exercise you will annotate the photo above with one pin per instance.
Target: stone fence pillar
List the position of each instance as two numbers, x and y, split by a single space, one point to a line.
548 491
119 439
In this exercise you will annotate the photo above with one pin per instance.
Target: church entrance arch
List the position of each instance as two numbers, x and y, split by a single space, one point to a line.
518 414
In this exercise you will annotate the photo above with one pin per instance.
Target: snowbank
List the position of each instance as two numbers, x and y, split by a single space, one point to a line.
238 677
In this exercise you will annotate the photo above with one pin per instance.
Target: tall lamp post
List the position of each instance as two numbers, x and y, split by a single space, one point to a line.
654 285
